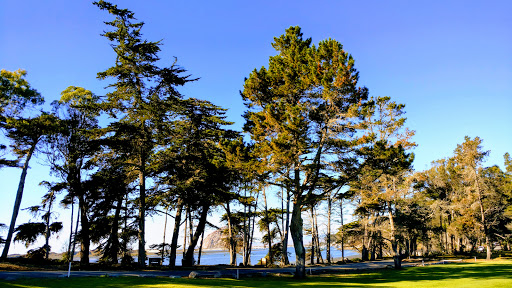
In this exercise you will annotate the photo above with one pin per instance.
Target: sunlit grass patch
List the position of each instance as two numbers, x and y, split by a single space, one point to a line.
497 273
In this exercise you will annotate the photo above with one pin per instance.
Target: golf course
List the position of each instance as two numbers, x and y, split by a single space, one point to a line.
495 273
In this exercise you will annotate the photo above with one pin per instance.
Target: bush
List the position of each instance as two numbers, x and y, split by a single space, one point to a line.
36 254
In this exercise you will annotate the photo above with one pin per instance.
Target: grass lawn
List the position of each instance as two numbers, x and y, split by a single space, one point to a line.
496 273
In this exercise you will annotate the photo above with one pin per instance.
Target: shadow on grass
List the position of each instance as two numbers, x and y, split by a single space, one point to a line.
383 278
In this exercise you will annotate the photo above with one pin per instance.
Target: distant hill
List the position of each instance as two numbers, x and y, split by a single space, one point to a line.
214 241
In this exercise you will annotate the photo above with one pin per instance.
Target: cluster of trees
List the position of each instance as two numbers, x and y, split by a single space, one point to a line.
454 207
315 136
152 132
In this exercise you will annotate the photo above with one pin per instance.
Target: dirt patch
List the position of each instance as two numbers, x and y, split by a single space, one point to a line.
17 267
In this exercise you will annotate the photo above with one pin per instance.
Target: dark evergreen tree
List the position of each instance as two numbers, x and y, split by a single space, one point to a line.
194 168
15 95
26 134
70 154
144 96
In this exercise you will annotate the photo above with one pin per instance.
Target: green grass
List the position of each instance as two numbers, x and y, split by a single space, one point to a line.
497 273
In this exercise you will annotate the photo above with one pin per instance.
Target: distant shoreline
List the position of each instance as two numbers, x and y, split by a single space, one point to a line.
154 253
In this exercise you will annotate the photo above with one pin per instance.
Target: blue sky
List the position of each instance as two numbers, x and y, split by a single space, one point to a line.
450 62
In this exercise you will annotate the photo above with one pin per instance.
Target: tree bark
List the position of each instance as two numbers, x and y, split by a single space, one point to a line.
188 259
251 236
72 251
286 228
125 236
165 230
364 249
394 243
114 249
141 258
175 234
328 239
313 235
185 234
319 257
200 250
298 239
342 232
247 224
482 217
47 232
232 242
71 226
17 201
244 235
85 238
267 222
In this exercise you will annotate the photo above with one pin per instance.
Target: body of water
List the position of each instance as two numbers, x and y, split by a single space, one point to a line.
217 257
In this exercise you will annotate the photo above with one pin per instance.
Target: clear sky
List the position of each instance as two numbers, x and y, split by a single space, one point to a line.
450 62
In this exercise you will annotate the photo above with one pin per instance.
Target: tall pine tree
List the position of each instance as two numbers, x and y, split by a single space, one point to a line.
300 109
143 98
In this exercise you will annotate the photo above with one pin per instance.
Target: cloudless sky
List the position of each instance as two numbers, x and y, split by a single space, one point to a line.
449 62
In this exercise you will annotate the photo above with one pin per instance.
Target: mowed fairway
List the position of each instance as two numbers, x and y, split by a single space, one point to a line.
497 273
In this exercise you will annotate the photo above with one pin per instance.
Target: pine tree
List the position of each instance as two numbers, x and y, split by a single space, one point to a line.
70 151
26 134
144 96
300 110
193 168
468 163
382 173
15 94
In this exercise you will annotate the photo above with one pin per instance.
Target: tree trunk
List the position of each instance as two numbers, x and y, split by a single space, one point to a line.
175 234
85 238
482 214
72 250
71 226
364 249
286 228
247 224
165 230
283 245
245 234
47 232
298 239
190 224
313 241
342 231
125 236
114 235
446 246
127 256
251 236
111 250
232 242
200 250
17 202
185 234
141 259
381 252
319 257
373 244
394 243
328 239
267 221
188 259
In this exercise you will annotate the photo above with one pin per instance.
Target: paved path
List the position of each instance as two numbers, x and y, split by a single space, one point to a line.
228 272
